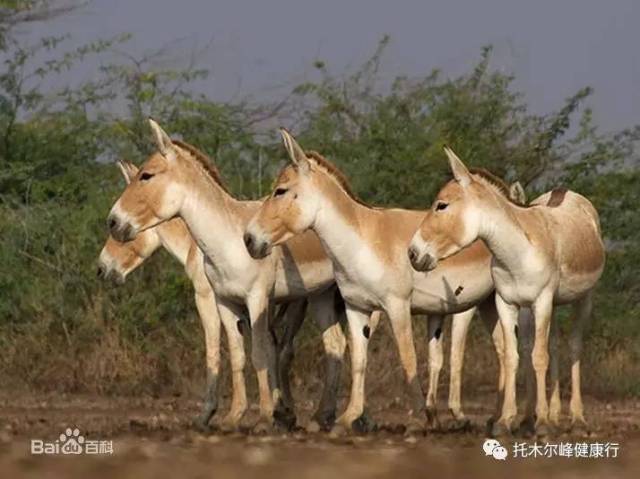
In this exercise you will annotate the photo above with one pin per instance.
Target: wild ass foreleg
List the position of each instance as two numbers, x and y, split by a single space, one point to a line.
327 310
293 317
230 315
508 314
263 357
459 329
582 313
358 322
526 333
542 311
400 316
436 358
208 311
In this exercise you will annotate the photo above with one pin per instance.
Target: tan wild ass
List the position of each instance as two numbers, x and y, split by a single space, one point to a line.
178 180
550 252
368 248
117 260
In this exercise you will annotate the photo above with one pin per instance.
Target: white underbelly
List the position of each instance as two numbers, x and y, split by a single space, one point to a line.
452 291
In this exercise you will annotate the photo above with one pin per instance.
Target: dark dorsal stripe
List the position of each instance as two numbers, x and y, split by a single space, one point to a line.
557 196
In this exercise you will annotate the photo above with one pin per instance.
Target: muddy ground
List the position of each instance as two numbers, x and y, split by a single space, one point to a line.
152 438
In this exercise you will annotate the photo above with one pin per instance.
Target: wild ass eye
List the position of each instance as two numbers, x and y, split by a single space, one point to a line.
441 205
146 176
280 191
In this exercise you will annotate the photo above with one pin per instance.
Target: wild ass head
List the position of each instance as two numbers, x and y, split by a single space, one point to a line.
118 259
454 220
297 197
156 193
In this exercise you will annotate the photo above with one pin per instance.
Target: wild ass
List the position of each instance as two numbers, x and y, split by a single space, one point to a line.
178 180
117 260
550 252
368 249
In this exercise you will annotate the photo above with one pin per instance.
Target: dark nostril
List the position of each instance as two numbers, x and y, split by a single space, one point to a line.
112 223
100 272
412 254
248 240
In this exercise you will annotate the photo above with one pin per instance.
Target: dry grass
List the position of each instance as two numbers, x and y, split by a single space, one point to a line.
101 359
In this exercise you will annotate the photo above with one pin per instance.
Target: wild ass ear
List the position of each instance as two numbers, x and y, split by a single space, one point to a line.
460 172
296 153
165 145
517 194
128 170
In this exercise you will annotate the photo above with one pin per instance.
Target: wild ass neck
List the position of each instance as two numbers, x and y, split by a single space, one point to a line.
216 222
503 234
338 225
176 239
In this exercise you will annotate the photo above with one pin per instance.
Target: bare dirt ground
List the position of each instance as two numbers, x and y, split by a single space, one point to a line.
152 438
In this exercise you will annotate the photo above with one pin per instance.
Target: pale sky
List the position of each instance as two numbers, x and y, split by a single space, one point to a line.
255 47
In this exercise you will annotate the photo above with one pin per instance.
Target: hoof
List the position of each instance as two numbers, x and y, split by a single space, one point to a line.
339 430
580 428
285 418
313 427
264 427
229 425
544 429
488 427
432 419
527 427
201 422
500 429
201 425
322 422
415 427
459 424
364 424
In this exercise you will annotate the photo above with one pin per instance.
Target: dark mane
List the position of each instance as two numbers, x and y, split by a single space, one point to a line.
336 174
205 161
498 183
491 178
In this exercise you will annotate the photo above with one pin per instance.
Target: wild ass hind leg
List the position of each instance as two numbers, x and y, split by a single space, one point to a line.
263 357
491 321
542 311
436 359
208 312
459 329
292 315
582 314
231 315
555 402
508 315
326 310
350 420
